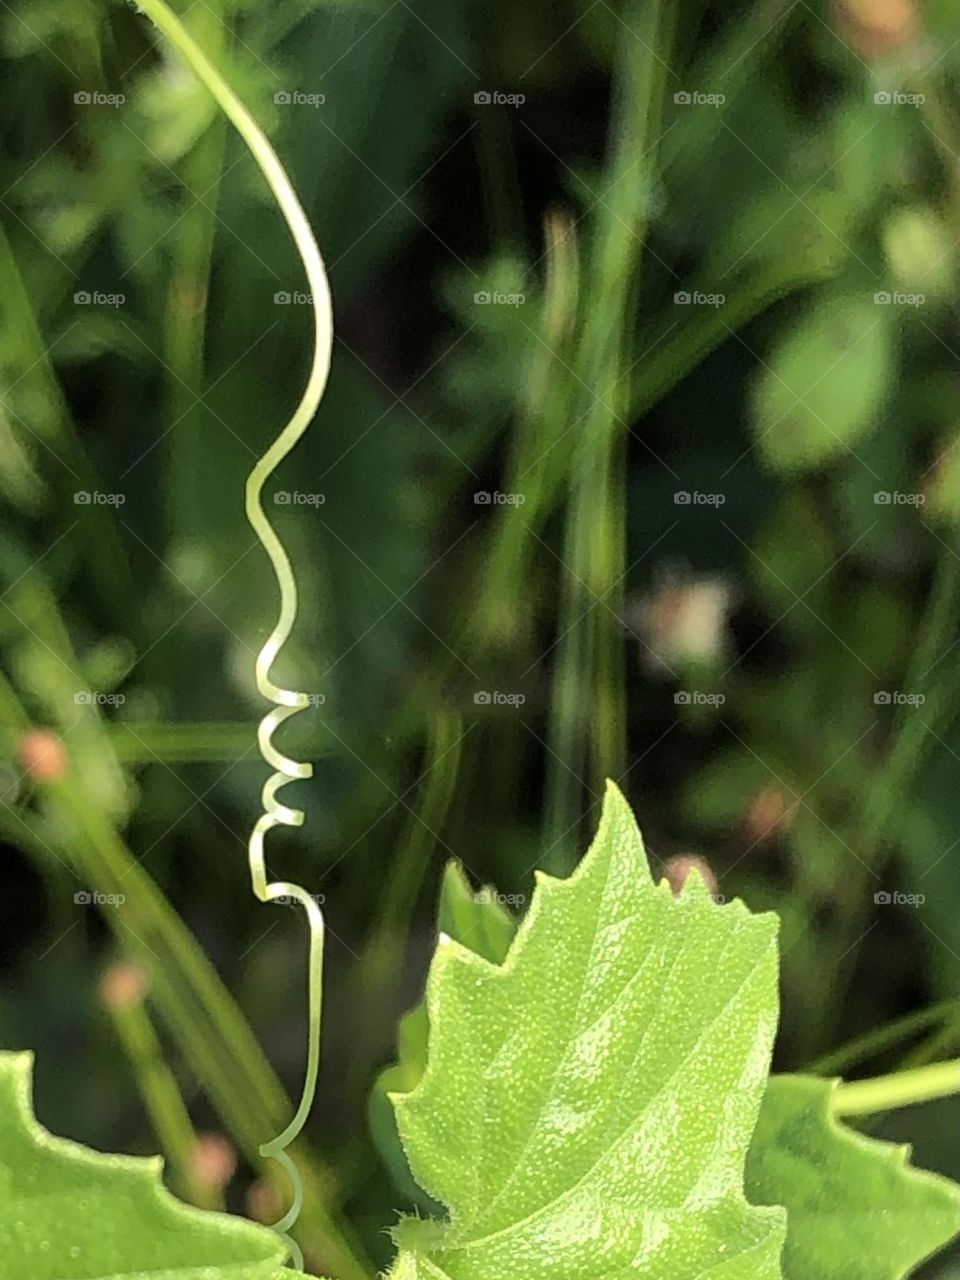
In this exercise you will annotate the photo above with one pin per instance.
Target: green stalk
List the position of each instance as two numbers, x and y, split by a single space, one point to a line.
586 736
912 744
942 1041
161 1097
286 702
187 297
875 1042
52 425
188 742
911 739
903 1089
441 771
216 1040
671 360
382 960
536 444
201 1015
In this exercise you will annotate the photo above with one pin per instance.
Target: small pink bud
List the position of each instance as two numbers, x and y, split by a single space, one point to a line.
766 812
42 755
213 1160
263 1202
676 870
874 27
123 985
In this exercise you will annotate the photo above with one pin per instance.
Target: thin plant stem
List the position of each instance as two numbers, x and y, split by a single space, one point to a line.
189 279
286 702
589 685
162 1099
874 1042
942 1041
902 1089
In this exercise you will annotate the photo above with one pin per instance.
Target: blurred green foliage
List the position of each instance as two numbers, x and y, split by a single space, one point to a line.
819 598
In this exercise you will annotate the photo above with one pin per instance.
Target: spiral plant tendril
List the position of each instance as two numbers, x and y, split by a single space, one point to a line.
286 702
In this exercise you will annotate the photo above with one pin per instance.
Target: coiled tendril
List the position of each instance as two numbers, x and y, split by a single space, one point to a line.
286 702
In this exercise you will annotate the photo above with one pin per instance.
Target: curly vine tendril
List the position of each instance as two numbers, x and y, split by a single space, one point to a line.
287 703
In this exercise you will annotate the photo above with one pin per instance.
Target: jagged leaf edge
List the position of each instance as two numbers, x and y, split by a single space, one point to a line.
412 1231
17 1065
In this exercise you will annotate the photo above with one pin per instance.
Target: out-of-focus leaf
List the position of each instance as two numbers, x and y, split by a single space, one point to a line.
476 918
918 245
20 482
941 485
856 1210
824 384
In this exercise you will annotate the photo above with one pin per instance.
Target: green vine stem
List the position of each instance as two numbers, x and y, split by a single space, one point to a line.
942 1041
902 1089
161 1094
286 702
593 545
197 1010
192 742
53 428
187 291
945 1013
913 739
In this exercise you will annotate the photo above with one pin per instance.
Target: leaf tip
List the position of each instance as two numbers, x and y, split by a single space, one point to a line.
618 836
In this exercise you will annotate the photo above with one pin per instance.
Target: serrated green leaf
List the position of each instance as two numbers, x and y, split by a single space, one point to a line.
69 1213
587 1106
821 389
856 1210
400 1077
837 1186
480 921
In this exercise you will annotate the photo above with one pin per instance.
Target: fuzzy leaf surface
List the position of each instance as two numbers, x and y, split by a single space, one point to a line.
480 921
856 1209
587 1106
69 1213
